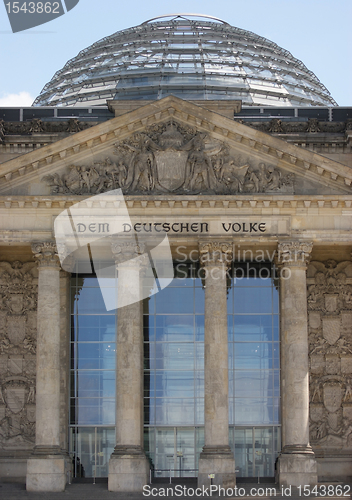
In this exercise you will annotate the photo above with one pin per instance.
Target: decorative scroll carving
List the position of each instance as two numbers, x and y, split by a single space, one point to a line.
173 158
294 253
18 318
46 254
330 344
215 253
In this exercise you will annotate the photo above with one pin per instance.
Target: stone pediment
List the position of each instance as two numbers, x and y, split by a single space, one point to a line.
173 146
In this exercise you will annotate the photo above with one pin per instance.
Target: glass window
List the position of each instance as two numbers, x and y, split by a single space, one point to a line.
254 352
173 331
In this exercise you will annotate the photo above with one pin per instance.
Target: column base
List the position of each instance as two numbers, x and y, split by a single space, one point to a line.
47 472
220 462
296 466
128 469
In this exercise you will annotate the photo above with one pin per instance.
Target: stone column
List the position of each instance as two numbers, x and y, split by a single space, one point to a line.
128 465
46 468
216 457
296 464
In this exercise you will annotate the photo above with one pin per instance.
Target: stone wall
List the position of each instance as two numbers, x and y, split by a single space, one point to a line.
330 347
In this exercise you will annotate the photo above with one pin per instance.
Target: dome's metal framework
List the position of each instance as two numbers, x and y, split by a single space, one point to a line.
190 56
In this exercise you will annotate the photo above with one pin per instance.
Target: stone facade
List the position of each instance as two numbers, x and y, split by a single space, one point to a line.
180 163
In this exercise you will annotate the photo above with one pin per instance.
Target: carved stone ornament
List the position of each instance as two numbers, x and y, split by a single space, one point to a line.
292 253
330 345
36 126
126 252
18 329
215 253
313 125
296 127
276 126
73 125
172 158
46 254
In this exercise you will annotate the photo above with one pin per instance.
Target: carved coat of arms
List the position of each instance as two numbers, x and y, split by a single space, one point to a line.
332 396
15 393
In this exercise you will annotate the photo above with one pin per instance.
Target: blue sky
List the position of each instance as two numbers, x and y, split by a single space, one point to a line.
318 32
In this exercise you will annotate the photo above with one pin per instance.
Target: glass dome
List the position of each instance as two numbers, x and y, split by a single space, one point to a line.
190 56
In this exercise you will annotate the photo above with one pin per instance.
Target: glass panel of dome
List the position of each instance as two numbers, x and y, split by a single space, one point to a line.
211 36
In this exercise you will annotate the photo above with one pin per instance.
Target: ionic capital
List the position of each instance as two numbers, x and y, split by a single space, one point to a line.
294 253
215 253
46 254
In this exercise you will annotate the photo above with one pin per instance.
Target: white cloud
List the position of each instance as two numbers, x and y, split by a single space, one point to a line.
16 100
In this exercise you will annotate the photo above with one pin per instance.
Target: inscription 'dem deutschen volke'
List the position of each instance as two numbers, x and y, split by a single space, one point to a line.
175 227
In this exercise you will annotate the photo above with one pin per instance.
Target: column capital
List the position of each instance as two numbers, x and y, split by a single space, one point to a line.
215 253
125 251
46 254
294 253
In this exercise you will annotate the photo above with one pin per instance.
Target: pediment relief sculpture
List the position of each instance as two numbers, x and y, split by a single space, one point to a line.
172 158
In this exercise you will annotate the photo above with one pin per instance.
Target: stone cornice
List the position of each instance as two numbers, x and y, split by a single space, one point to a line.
264 203
78 147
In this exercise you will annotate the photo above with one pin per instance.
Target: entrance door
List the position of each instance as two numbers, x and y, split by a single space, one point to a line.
175 452
91 448
256 449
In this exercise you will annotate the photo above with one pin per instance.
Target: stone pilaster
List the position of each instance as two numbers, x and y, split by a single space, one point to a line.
216 457
128 465
46 469
296 464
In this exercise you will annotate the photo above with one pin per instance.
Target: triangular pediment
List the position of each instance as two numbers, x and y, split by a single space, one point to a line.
173 146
